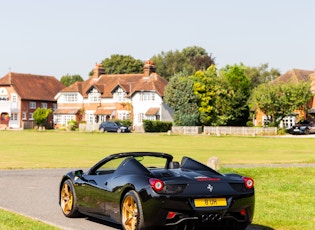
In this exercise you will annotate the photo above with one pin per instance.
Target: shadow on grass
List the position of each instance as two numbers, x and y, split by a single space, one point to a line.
258 227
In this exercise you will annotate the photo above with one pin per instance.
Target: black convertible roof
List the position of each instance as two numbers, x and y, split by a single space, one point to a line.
136 154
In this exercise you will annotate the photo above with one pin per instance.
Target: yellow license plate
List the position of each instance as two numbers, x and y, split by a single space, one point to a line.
210 202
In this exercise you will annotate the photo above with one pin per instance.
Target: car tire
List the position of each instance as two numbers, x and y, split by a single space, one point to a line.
131 212
68 200
307 131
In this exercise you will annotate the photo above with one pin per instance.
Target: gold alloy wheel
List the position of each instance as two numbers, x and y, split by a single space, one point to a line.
66 199
129 213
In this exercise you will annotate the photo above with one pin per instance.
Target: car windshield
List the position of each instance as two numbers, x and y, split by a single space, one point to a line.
303 122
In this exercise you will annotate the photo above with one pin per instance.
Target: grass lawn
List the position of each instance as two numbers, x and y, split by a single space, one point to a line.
284 196
9 221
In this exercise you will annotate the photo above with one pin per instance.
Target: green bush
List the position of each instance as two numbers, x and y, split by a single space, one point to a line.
282 131
156 126
72 125
125 122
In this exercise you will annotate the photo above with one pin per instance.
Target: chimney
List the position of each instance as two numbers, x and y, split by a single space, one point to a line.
148 68
98 70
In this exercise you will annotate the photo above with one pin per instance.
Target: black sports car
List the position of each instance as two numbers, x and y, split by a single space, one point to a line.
148 190
303 127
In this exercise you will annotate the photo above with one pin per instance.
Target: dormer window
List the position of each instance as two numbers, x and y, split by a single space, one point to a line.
94 95
119 95
147 96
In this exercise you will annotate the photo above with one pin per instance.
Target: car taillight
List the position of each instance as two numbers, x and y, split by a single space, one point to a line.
249 182
171 215
243 212
156 184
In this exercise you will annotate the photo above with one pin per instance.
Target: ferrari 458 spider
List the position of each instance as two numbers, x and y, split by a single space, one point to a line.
148 190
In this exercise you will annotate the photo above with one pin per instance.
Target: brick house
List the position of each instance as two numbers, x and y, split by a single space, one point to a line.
294 76
105 97
21 94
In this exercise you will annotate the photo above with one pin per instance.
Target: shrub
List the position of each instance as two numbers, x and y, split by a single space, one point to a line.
72 125
156 126
125 122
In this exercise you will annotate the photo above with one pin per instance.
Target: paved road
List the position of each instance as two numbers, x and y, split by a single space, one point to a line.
34 193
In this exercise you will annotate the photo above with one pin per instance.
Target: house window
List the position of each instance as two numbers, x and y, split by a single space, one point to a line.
44 105
14 98
71 97
30 116
68 118
57 119
24 116
94 96
54 106
32 105
4 98
151 118
119 95
147 96
289 121
14 117
89 118
123 116
140 117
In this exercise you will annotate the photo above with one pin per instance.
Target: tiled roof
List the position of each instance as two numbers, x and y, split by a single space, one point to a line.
67 111
33 87
312 77
152 111
104 111
131 83
294 76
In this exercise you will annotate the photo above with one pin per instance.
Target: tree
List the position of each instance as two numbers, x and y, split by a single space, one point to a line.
190 60
240 88
68 79
180 96
198 58
260 74
122 64
214 97
279 100
40 116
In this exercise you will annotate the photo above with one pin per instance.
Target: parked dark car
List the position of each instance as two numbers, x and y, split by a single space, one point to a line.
113 126
303 127
146 190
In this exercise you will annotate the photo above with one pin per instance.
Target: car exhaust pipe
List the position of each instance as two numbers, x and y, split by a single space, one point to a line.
210 217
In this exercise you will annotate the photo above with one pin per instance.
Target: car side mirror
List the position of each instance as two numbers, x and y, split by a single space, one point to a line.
78 173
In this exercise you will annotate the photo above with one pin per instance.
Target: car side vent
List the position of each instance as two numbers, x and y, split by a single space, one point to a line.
165 174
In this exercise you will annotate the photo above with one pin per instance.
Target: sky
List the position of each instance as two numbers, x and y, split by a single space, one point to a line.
61 37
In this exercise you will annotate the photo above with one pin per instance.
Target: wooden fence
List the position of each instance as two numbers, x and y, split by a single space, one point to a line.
209 130
225 130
